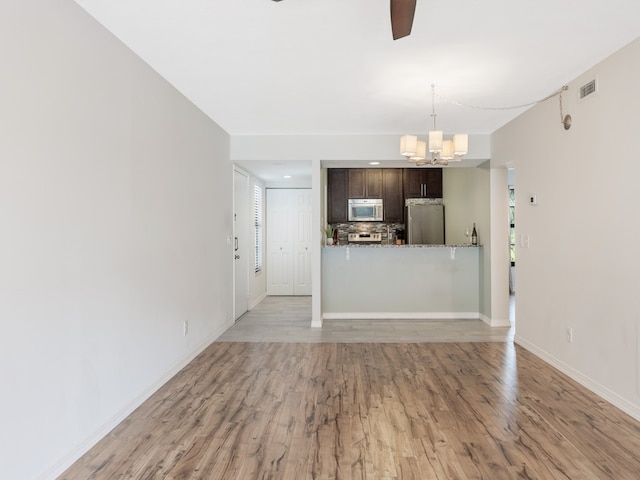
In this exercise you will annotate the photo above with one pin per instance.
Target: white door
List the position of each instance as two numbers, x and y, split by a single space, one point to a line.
289 241
241 244
279 245
302 241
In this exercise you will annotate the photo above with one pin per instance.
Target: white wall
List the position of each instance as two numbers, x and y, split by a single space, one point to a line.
335 147
467 199
115 197
581 268
318 210
499 260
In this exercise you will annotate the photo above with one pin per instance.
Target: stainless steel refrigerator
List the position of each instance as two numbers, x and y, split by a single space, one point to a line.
425 224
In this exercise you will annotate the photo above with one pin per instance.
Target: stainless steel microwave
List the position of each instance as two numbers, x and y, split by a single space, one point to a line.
365 210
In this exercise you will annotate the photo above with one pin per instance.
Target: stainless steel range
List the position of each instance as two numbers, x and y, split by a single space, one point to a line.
365 238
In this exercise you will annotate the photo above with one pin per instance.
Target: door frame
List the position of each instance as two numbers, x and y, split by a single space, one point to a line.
244 252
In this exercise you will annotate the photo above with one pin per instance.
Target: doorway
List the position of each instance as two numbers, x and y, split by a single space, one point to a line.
241 244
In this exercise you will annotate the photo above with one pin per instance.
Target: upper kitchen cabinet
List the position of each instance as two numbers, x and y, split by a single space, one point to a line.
423 183
392 197
337 195
365 183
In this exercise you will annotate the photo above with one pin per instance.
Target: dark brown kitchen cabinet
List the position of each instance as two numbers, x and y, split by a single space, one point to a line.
337 195
423 183
392 197
365 183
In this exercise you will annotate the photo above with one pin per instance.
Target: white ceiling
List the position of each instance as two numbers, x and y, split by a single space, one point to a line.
259 67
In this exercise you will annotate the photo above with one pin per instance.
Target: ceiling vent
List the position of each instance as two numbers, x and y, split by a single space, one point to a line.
587 89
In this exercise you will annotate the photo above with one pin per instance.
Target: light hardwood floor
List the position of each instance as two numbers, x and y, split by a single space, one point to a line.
288 319
283 409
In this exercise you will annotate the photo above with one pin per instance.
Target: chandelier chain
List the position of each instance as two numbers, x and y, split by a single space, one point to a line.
433 105
511 107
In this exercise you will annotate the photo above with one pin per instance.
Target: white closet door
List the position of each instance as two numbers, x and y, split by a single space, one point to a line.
288 242
301 203
279 243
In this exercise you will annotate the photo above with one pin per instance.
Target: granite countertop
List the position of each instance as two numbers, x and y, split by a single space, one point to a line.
384 245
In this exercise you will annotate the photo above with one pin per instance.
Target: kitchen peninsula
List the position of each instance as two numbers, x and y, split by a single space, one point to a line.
401 282
410 262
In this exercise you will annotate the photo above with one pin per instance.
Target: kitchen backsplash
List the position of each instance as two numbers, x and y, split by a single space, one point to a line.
344 229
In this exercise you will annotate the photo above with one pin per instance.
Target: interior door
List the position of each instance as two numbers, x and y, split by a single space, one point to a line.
302 241
241 244
289 241
279 243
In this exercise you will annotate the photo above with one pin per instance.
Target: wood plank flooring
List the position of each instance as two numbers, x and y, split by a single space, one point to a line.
339 410
287 319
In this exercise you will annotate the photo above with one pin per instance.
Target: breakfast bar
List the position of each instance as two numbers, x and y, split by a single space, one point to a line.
401 281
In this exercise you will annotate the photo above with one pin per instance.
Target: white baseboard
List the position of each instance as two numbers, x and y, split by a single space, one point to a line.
401 315
84 446
255 303
495 322
610 396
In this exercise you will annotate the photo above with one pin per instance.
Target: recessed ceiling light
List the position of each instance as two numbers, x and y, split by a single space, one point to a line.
287 176
374 163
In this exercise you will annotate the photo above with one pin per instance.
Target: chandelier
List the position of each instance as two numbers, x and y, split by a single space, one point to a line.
442 151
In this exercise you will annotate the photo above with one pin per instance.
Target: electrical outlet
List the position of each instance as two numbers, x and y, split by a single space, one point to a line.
185 327
570 335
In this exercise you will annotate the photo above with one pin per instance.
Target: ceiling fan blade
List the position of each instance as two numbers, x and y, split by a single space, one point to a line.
402 12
